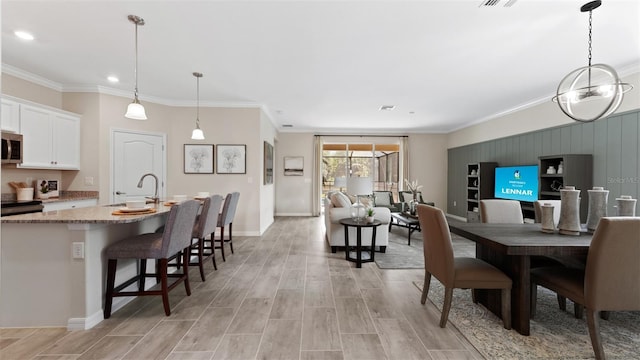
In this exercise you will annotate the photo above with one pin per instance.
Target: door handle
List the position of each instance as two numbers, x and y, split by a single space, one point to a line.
120 193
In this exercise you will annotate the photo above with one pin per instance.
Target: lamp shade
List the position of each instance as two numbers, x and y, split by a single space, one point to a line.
359 186
340 182
135 111
197 134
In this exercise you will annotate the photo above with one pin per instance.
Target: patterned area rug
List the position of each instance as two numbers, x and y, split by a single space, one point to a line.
555 334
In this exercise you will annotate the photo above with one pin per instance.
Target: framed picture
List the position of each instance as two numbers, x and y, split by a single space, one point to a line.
293 165
231 159
198 158
268 163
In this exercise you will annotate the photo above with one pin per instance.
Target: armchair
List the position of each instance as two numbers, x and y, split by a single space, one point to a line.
385 199
405 196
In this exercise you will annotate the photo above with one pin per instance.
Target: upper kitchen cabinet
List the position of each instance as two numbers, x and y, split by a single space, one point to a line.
10 113
51 138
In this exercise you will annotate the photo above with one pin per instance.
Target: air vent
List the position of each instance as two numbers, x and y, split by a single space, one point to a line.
492 3
287 125
387 107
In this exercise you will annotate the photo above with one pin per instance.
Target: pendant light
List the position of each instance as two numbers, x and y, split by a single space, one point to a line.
197 133
135 110
591 92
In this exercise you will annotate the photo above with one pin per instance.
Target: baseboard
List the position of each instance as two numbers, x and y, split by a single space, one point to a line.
74 324
456 217
294 214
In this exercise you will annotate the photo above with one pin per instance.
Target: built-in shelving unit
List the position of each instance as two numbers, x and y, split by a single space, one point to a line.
480 181
577 170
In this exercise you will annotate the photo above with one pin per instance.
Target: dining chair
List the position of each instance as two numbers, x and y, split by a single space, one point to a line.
499 211
456 272
176 238
225 219
610 280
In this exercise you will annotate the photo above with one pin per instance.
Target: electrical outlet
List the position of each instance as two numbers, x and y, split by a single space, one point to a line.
77 250
88 180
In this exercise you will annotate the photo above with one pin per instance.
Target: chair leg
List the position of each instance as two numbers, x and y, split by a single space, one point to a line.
162 265
111 279
562 302
231 237
425 287
200 257
506 308
448 296
213 250
593 320
604 315
222 242
143 274
577 310
187 286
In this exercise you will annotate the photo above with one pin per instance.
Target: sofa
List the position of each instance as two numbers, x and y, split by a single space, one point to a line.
338 206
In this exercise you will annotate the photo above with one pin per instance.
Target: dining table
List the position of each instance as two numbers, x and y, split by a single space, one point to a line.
510 248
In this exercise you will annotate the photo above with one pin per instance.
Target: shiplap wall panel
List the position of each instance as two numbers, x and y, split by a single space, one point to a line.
613 142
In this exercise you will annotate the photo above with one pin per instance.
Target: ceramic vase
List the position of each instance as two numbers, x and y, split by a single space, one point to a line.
598 198
548 225
626 206
569 223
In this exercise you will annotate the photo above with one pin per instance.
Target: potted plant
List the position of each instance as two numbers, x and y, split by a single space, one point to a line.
44 189
370 213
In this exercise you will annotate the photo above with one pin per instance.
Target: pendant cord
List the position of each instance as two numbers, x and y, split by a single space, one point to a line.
198 103
590 45
135 70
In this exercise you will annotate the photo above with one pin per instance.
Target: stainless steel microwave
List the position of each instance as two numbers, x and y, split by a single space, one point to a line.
12 148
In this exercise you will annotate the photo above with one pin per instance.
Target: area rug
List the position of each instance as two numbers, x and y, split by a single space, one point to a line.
399 255
555 334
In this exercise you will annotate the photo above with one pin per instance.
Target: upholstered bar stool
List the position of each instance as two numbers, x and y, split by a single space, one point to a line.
225 219
175 238
205 224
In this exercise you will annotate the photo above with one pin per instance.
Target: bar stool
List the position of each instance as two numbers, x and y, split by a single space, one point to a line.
175 238
226 218
205 224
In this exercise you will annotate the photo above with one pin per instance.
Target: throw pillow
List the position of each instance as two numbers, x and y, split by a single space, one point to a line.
339 199
381 199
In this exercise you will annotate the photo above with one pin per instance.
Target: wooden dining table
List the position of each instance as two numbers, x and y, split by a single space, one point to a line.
510 247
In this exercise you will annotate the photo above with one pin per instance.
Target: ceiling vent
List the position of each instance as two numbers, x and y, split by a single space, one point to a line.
492 3
387 107
287 126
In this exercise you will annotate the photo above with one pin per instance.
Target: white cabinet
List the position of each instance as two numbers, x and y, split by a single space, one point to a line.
10 113
73 204
51 139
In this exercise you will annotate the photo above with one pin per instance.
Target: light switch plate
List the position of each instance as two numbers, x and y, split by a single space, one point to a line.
77 250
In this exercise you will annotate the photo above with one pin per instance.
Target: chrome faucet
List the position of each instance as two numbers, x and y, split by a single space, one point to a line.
155 196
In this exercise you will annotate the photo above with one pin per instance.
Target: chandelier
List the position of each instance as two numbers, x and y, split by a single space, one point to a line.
593 91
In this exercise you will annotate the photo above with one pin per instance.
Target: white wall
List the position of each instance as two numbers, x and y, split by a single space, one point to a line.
428 165
294 193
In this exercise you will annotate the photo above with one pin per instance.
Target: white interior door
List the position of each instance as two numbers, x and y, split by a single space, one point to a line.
133 155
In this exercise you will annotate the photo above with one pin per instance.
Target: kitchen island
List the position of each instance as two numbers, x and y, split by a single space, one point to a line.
52 267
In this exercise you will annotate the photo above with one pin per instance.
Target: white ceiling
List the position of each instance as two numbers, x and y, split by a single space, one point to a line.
325 66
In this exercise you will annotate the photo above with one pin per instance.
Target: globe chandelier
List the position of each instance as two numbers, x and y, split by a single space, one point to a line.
593 91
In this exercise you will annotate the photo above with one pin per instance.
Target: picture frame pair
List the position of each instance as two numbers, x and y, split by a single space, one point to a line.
229 159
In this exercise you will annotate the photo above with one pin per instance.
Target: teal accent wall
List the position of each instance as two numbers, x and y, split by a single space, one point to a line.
613 142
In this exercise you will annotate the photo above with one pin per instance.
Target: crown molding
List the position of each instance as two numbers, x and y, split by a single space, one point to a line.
80 88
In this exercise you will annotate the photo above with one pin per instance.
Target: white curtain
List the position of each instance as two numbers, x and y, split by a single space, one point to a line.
317 176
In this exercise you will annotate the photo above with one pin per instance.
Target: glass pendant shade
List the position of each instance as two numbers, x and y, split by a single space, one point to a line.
197 134
135 111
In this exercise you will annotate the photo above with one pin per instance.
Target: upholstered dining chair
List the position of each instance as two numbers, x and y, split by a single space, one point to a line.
205 225
499 211
175 238
610 280
456 272
225 219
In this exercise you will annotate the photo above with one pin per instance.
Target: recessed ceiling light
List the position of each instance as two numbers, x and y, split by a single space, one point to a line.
387 107
23 35
113 79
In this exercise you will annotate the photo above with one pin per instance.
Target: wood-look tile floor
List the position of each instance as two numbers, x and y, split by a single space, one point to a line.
283 295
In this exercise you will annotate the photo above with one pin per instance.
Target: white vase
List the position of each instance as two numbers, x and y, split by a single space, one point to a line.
569 223
626 206
597 206
548 224
369 219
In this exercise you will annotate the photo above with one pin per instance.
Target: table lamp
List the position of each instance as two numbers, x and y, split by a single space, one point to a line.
359 186
340 183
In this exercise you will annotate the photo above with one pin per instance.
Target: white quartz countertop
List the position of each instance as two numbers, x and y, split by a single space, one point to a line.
86 215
